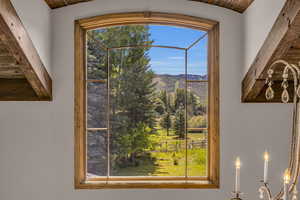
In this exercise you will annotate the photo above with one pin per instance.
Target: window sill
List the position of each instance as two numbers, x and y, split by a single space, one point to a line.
189 184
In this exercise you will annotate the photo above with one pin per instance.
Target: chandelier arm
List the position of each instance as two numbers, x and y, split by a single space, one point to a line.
297 151
295 145
294 73
295 113
295 167
297 69
287 67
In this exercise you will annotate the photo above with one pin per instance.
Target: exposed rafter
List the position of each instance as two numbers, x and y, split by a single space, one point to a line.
236 5
22 73
61 3
283 42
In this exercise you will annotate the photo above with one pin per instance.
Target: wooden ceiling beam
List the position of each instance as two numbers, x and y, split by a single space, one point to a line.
17 90
284 36
239 6
53 4
15 38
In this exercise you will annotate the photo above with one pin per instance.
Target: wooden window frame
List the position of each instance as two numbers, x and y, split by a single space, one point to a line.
212 28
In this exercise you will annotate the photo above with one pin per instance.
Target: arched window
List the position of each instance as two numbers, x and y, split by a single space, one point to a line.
146 101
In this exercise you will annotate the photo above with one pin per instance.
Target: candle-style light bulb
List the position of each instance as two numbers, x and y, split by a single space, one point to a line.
286 181
266 165
238 163
287 176
266 156
237 174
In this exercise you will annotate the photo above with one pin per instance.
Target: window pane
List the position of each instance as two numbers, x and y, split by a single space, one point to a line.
197 98
96 153
197 153
197 125
197 61
97 105
96 57
147 115
180 36
147 105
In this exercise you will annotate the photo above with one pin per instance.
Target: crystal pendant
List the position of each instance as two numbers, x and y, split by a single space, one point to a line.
294 197
269 93
285 96
261 194
295 192
270 72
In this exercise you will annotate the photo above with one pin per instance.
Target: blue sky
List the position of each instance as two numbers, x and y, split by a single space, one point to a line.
171 61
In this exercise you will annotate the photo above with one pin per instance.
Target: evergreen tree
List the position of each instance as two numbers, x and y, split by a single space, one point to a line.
179 122
166 122
131 87
160 107
163 97
192 103
179 98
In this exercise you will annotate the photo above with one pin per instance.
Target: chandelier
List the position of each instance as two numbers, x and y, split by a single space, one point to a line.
291 174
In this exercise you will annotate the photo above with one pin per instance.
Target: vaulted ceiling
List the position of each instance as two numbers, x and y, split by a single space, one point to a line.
236 5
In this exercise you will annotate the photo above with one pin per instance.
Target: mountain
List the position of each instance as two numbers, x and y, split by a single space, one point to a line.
170 82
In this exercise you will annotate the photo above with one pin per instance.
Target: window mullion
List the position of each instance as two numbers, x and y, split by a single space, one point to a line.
108 113
96 81
185 99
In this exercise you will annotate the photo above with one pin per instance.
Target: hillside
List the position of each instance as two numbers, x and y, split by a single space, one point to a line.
170 82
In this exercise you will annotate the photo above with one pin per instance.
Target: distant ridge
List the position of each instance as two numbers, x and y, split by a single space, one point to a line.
170 82
189 76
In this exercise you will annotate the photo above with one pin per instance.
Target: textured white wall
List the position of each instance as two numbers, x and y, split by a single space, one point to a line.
35 15
258 21
36 138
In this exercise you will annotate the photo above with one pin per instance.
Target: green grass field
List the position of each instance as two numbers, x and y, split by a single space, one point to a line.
167 157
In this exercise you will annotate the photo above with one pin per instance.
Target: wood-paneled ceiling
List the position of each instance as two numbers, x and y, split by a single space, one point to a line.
236 5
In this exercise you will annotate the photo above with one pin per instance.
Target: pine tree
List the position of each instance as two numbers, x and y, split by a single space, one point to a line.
192 103
179 122
131 87
179 98
166 122
163 97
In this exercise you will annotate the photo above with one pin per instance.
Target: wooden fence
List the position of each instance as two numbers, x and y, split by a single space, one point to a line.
171 145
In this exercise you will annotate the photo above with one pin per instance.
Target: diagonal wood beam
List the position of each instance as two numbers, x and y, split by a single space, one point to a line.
16 90
19 44
284 34
61 3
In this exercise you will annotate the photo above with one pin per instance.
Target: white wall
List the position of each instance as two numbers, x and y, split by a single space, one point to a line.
36 138
258 21
35 15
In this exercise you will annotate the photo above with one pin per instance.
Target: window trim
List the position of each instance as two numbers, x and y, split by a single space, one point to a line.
212 27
